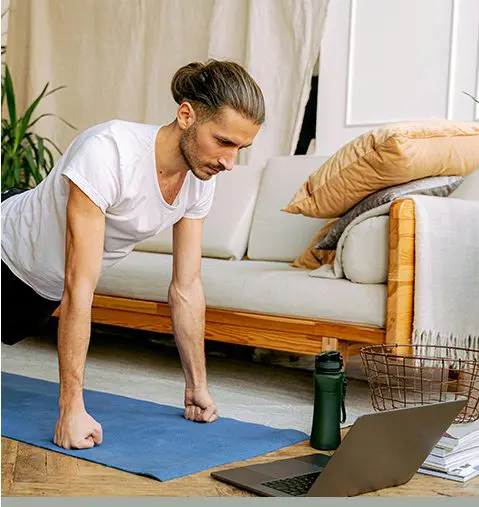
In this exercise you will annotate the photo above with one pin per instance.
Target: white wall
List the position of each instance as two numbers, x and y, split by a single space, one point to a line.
5 5
388 60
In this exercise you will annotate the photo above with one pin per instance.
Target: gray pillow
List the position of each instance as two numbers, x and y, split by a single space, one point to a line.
439 186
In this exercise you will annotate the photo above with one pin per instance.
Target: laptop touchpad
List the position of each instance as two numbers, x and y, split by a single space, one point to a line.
318 458
287 467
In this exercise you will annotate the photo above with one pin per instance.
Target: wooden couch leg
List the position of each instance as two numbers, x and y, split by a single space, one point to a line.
335 344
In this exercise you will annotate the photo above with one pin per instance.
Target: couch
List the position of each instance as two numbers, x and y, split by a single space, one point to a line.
254 296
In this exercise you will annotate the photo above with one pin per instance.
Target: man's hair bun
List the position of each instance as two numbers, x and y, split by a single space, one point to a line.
215 84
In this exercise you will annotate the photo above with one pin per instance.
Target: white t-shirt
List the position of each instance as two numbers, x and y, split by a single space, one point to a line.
114 164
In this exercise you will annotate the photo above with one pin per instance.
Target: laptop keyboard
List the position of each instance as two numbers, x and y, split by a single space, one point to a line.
294 486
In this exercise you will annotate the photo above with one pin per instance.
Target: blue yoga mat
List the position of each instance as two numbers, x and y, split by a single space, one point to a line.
140 437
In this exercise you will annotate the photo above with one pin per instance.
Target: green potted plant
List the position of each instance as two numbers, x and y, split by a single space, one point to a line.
26 156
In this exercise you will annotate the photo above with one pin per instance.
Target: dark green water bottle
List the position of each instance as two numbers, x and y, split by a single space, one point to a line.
329 392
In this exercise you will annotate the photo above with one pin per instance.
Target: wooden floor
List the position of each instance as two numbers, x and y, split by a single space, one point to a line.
29 471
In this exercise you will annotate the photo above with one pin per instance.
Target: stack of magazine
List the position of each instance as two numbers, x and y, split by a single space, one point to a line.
456 455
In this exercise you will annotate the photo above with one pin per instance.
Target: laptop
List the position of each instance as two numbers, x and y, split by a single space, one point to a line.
381 450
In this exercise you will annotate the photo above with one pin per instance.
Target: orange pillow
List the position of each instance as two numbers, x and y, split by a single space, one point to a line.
313 259
391 155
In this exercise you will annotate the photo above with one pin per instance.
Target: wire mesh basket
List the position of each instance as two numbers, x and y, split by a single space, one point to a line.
401 376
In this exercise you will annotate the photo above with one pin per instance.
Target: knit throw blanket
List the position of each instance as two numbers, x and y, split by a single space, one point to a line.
446 290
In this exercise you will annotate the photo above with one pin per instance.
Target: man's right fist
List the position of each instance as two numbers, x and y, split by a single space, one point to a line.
76 429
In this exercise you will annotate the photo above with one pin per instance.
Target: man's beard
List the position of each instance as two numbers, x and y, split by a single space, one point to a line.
189 150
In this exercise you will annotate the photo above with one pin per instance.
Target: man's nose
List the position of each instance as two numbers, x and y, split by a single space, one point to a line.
227 162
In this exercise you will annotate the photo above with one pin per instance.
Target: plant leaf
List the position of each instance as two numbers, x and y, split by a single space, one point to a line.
48 161
41 163
7 83
30 168
51 161
25 120
53 144
55 90
41 152
51 114
28 138
17 170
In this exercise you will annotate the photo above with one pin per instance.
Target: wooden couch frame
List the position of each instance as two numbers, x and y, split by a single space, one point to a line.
290 334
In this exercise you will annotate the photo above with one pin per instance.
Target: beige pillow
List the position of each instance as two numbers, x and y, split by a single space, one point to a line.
394 154
312 258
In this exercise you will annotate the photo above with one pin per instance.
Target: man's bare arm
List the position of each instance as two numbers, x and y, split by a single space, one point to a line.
84 252
187 300
187 303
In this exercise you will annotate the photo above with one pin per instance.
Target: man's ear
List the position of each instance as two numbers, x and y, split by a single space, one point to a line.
186 115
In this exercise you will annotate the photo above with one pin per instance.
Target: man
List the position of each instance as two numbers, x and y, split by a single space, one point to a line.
117 184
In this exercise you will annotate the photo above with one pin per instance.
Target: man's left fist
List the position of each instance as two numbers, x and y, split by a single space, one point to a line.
199 405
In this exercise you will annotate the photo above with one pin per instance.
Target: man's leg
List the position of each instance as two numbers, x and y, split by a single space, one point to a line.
24 312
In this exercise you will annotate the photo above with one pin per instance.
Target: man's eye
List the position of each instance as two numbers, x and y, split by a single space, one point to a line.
223 142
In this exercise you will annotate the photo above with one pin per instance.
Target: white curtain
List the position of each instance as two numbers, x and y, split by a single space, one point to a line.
117 58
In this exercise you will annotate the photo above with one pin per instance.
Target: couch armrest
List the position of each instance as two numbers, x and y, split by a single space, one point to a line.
400 304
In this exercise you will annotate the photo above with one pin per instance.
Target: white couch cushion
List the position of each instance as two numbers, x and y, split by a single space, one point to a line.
365 251
256 286
468 189
275 234
226 228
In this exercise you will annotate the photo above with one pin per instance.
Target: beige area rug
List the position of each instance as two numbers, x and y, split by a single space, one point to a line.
248 389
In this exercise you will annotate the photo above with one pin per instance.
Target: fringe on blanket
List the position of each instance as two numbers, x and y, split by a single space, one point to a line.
424 339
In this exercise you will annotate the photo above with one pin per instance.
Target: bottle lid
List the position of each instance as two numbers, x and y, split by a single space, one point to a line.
330 361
